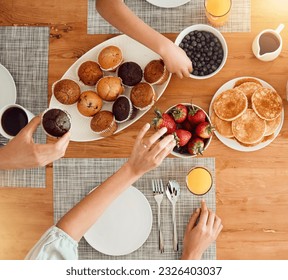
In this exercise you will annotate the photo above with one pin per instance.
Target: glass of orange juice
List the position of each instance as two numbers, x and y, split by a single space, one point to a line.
217 11
199 180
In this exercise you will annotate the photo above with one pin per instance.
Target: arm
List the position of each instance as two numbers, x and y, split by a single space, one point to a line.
22 152
120 16
82 216
199 236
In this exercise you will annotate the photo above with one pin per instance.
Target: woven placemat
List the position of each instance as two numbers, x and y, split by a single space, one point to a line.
24 52
74 178
173 20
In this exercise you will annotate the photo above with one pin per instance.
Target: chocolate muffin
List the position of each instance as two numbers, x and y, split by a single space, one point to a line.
66 91
122 109
90 73
56 122
130 73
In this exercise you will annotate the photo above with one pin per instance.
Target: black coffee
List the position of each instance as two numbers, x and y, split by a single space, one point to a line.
13 120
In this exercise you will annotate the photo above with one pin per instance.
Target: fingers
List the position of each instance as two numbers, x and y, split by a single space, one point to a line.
63 142
204 213
152 139
142 133
193 219
30 128
211 219
166 150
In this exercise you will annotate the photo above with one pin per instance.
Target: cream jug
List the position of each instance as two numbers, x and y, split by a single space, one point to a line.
267 44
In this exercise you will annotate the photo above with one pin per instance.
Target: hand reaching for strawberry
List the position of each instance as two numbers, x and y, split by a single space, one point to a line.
189 124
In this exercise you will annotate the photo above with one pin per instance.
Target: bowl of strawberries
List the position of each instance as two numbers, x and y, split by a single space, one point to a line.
190 125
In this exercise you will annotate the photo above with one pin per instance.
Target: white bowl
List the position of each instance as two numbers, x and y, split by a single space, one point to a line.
208 28
207 141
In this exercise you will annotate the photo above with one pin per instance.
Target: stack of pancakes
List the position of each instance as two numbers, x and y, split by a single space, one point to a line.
248 113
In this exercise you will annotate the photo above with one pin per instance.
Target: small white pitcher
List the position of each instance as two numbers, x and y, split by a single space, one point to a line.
272 54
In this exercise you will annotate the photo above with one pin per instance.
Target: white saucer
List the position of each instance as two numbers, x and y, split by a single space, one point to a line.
7 88
124 226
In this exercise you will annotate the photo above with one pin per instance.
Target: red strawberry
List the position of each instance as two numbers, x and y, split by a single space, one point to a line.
179 113
196 116
196 146
182 137
164 120
204 130
186 125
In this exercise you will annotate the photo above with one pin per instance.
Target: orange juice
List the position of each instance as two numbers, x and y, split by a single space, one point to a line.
199 180
217 11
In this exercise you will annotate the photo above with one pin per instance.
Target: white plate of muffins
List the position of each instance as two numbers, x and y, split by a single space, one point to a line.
247 114
110 87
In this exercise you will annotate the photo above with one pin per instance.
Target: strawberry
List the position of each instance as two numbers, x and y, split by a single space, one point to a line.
186 125
196 146
204 130
196 116
179 113
182 137
164 120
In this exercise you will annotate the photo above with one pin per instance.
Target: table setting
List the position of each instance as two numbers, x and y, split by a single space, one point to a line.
148 220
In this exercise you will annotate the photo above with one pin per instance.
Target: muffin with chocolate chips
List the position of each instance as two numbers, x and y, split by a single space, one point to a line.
89 103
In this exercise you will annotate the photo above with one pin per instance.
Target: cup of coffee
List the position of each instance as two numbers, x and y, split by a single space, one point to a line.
13 118
267 45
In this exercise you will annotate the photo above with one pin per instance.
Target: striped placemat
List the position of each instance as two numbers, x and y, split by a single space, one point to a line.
74 178
173 20
24 52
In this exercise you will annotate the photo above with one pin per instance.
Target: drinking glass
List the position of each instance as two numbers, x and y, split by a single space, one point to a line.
217 11
199 180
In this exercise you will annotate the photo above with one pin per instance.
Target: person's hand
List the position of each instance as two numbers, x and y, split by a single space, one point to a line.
148 153
176 60
198 237
21 152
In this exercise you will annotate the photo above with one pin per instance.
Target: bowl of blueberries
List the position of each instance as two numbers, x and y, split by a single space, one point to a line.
206 48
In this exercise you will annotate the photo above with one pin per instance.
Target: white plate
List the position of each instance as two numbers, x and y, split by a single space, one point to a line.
168 3
7 88
132 51
124 226
233 144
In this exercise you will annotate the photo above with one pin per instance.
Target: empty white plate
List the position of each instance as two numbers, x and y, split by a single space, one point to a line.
124 226
7 87
168 3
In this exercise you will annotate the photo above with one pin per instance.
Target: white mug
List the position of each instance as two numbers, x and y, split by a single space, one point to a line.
268 49
11 124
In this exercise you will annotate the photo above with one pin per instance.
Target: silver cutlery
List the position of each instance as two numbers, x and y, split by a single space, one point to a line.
173 192
158 191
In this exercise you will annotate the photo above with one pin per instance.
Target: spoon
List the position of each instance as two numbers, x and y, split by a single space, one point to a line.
173 192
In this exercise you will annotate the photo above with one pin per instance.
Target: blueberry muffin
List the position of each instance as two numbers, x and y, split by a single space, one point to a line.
89 103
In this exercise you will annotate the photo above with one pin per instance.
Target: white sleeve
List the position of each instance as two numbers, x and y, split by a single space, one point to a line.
55 244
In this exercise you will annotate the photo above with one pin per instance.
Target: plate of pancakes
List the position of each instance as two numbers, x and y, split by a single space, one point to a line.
247 114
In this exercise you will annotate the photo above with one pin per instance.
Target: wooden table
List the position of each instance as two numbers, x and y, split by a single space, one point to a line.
252 193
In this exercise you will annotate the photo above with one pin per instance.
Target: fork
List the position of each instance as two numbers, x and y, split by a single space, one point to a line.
158 190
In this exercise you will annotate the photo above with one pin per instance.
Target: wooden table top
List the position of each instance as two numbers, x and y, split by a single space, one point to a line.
251 188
